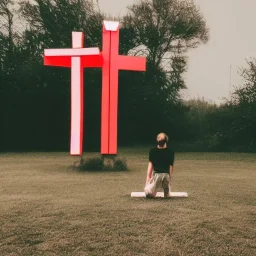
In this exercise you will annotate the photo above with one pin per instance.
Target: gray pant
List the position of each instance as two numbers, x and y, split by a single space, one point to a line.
157 182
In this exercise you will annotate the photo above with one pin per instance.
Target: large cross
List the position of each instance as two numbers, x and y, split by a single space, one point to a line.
76 58
112 63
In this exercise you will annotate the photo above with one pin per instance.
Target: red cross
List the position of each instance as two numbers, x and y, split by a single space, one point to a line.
112 63
75 58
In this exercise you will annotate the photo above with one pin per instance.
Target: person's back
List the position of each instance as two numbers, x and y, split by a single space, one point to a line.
161 160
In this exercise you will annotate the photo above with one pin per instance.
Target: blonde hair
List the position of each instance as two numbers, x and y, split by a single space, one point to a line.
162 136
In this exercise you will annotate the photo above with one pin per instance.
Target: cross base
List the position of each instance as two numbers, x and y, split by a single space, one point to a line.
160 194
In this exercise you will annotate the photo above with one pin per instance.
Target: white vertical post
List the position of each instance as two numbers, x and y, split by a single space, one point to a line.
76 106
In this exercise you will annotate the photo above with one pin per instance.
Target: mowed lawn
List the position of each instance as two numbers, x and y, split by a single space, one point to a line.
46 208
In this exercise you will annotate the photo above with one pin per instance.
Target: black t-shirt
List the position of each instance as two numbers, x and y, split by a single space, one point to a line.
161 159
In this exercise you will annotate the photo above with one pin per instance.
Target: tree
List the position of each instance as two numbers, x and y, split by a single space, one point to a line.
9 39
234 122
163 31
7 22
246 94
243 101
56 19
166 27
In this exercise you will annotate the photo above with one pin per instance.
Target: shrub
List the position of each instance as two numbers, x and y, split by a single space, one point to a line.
98 164
120 165
94 164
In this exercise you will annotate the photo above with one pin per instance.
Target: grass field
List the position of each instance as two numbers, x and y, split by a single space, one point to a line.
47 208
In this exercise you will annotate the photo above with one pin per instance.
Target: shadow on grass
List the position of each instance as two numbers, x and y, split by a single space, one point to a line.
154 199
159 199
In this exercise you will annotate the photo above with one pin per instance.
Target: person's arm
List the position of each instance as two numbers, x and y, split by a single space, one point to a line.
149 172
171 170
171 165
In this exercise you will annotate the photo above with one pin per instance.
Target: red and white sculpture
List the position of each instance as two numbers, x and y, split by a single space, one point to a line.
112 63
77 58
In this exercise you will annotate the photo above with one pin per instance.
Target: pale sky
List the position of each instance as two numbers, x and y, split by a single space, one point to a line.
232 40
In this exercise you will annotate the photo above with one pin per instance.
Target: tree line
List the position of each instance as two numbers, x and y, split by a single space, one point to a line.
35 100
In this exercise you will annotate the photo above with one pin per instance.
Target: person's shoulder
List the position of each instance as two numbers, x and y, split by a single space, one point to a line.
153 149
170 150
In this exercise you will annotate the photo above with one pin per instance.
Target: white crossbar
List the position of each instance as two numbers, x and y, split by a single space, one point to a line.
160 194
71 52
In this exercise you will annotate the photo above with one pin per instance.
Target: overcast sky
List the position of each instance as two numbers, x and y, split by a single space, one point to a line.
232 39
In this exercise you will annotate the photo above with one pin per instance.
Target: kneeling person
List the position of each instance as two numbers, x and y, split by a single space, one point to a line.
161 160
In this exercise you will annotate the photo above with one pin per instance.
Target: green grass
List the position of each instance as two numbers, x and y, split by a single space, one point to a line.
47 208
